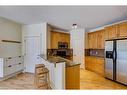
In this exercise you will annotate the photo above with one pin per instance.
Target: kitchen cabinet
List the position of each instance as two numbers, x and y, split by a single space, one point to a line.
91 40
59 37
96 40
122 28
72 77
111 32
100 39
95 64
10 66
116 31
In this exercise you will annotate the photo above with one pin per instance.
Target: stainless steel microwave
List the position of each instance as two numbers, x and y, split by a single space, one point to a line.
62 45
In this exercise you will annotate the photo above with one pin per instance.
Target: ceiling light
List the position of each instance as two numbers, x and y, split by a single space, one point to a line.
74 26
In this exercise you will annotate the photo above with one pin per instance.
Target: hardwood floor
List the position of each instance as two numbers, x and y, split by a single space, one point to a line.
88 80
91 80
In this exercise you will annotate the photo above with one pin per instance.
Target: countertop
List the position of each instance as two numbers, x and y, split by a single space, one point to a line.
95 56
57 59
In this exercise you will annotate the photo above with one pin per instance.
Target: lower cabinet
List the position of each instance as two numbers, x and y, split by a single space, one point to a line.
9 66
73 77
95 64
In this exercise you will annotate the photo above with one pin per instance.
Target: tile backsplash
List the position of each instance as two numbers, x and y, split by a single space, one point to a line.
94 52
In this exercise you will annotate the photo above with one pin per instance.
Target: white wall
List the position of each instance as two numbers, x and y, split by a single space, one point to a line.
78 45
36 30
9 30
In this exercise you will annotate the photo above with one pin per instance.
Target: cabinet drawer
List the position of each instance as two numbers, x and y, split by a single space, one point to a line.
19 59
8 62
9 69
19 66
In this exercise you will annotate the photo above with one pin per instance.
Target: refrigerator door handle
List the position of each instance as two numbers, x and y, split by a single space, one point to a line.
114 55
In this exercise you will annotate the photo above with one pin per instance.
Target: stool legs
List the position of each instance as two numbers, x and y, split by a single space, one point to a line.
42 79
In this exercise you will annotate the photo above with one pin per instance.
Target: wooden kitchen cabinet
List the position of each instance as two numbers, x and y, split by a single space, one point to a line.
59 37
87 63
122 30
55 37
92 40
96 40
72 78
99 66
95 64
111 32
100 39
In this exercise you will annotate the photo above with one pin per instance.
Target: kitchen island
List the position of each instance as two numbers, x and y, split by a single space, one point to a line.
64 74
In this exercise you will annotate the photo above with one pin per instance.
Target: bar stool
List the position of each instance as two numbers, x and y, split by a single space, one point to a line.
42 79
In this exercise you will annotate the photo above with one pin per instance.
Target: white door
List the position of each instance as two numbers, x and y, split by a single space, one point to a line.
32 52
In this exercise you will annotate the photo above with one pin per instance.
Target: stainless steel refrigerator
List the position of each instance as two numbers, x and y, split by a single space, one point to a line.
116 60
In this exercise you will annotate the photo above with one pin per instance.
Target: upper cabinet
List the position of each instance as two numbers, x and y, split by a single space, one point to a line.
116 31
122 28
100 39
90 40
96 40
111 32
59 37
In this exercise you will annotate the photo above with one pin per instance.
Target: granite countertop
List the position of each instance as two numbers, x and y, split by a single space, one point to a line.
57 59
94 56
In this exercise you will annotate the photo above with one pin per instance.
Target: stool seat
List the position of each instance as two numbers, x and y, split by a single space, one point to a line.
41 71
39 65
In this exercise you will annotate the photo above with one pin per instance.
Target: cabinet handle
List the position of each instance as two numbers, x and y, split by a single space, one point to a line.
9 58
9 66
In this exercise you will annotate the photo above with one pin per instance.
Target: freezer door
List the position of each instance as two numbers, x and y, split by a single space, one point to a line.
121 65
109 59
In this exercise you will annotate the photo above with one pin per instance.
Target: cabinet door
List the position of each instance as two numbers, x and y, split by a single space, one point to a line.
100 39
99 66
94 41
112 32
55 38
123 29
91 37
89 41
87 63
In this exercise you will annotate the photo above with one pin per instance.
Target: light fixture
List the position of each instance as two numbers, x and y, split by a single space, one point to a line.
74 26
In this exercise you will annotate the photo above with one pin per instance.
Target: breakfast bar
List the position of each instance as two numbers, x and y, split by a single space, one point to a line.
64 74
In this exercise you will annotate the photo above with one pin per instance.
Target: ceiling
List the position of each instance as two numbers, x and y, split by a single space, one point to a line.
88 17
